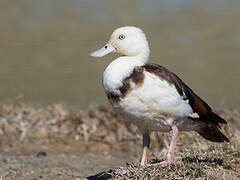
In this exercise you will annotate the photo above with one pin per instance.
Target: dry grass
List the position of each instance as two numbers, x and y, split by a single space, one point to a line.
101 128
193 161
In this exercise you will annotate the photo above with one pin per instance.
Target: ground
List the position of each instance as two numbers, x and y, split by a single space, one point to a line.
57 142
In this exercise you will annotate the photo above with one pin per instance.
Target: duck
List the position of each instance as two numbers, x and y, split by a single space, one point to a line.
152 97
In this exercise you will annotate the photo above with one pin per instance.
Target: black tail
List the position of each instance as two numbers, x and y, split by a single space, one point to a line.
218 119
211 132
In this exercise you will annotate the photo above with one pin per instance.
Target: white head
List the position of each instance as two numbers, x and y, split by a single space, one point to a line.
129 41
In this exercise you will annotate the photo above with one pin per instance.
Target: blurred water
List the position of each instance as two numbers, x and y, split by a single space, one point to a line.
44 46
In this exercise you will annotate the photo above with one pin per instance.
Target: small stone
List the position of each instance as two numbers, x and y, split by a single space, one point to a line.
42 132
41 154
10 129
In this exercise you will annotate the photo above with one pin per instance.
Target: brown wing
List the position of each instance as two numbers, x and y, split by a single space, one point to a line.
198 105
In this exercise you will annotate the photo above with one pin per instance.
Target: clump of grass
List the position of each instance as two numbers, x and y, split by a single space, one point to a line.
209 165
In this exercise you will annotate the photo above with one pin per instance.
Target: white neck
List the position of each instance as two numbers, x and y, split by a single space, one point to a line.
144 55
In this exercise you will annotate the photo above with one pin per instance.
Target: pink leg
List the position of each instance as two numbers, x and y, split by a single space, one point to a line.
170 155
146 144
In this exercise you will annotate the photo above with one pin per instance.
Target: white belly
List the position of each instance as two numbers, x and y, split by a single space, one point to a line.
155 105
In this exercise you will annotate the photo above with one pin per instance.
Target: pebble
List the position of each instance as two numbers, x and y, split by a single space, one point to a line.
41 154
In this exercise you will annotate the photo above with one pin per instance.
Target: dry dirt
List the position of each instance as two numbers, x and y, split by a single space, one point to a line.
56 142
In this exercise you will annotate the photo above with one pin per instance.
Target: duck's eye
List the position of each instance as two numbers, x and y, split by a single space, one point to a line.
121 37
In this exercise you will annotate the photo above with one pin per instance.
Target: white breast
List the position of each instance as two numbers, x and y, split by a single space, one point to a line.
117 71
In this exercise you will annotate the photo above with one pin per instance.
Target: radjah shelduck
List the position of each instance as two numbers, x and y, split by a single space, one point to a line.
152 97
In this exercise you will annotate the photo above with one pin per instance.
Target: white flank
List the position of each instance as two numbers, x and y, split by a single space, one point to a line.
156 100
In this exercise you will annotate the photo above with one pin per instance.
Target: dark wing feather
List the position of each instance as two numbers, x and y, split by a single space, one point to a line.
198 105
